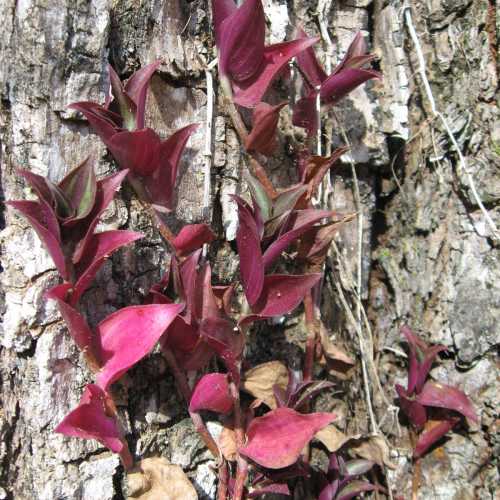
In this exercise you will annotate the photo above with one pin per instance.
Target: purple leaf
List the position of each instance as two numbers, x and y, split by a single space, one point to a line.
127 107
265 119
329 491
181 336
276 488
309 65
282 293
221 9
241 41
106 189
77 325
90 420
300 222
137 88
161 183
137 151
414 411
212 393
188 272
192 237
99 248
44 221
448 397
43 188
104 122
305 114
249 92
129 334
248 241
429 437
276 440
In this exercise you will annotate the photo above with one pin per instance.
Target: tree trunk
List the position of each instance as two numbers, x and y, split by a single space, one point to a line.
428 257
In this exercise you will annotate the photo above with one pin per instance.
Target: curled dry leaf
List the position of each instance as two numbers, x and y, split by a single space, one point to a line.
374 448
259 381
227 444
332 438
157 479
337 360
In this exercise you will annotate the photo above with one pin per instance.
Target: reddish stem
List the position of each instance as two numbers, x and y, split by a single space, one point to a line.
417 471
223 481
242 465
185 390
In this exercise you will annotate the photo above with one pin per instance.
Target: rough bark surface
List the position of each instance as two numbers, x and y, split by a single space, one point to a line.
428 258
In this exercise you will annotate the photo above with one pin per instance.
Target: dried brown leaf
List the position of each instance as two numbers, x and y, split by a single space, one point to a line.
227 444
332 438
374 448
259 381
157 479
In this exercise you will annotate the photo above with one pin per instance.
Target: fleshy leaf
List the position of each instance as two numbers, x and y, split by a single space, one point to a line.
106 189
126 106
192 237
137 89
299 223
414 410
241 41
129 334
282 293
100 247
212 393
305 114
354 488
273 488
448 397
221 9
277 439
181 336
89 420
80 187
42 186
287 200
260 197
251 265
262 137
104 122
137 151
309 65
431 436
161 183
77 325
249 92
44 221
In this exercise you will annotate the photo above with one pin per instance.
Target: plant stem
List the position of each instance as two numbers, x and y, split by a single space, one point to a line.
241 129
242 465
185 390
223 481
417 470
311 337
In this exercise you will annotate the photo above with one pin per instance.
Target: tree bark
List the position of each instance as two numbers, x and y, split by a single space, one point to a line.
427 256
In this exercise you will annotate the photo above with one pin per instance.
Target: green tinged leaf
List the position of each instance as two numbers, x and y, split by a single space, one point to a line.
260 196
287 200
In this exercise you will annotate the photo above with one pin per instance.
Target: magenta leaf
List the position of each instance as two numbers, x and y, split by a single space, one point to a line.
221 9
104 122
137 151
206 301
241 40
249 92
44 189
76 323
127 107
89 420
248 241
212 393
428 438
414 410
265 119
129 334
105 192
448 397
281 293
99 248
192 237
44 221
309 65
299 223
188 272
338 85
277 439
161 183
181 336
305 114
137 88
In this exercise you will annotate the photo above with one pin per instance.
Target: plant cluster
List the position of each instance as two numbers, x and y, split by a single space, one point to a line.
194 320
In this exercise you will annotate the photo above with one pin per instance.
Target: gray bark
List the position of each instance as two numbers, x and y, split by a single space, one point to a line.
428 258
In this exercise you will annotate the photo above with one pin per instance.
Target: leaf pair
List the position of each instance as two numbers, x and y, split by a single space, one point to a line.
119 342
420 394
348 75
65 216
245 62
152 164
